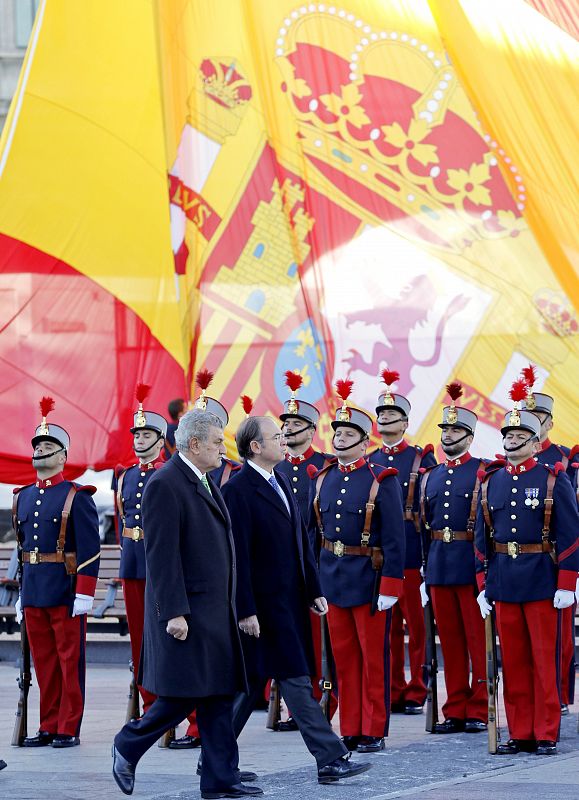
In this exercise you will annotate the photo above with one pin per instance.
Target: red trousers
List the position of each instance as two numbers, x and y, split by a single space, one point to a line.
361 647
462 638
409 609
568 655
134 591
57 644
528 637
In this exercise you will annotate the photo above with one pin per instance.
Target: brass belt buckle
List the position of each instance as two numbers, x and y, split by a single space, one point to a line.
136 534
33 557
338 549
447 535
512 549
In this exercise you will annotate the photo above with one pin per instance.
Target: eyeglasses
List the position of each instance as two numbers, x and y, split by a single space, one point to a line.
277 436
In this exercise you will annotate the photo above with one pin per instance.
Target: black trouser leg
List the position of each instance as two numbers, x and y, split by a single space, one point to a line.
137 736
220 756
315 729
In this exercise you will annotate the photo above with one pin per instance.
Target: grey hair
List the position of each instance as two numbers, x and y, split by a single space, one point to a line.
249 431
195 424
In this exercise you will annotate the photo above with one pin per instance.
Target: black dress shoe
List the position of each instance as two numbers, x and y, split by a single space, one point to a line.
185 743
351 742
238 790
342 768
514 746
474 726
61 740
3 764
289 725
123 772
42 739
397 708
450 725
370 744
413 707
242 777
564 709
545 747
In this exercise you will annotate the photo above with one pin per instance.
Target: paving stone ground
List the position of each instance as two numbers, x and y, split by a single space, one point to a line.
414 764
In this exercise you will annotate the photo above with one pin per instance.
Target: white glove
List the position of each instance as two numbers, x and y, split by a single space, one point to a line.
424 598
82 604
385 601
18 609
484 605
563 598
577 590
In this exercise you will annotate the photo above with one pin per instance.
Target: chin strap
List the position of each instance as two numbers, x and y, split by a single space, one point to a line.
146 450
519 446
287 436
349 447
48 455
458 441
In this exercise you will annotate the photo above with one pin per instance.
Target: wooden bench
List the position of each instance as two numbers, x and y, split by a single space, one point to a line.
108 615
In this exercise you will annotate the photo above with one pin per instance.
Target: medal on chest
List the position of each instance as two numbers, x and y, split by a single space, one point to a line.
532 497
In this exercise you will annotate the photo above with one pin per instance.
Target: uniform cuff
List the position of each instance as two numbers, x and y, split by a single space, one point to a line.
391 586
480 581
567 579
86 584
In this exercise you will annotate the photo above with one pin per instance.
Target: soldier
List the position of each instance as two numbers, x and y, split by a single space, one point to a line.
176 409
392 421
448 498
542 406
299 427
149 431
526 531
358 511
57 528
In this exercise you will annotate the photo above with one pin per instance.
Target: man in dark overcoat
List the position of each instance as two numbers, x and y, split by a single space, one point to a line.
277 585
192 655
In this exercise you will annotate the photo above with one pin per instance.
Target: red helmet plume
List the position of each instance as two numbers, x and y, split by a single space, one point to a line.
518 390
203 379
247 404
344 389
293 380
142 392
454 390
390 376
46 406
529 375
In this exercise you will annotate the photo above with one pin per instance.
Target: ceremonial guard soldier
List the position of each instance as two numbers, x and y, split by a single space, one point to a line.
549 453
392 421
149 431
57 528
526 542
448 500
358 510
176 409
299 421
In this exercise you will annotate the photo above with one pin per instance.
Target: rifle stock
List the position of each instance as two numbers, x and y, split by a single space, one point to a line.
274 706
492 681
24 681
133 705
168 736
326 673
431 669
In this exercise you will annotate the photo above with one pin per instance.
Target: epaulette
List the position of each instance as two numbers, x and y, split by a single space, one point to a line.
500 457
555 469
422 470
384 473
119 469
428 448
573 452
20 488
88 488
313 471
492 467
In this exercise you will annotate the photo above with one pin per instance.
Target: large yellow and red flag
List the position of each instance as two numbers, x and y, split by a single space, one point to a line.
255 187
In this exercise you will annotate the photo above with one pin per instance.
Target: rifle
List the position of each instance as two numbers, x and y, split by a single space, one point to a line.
492 681
274 706
326 672
431 667
24 681
133 705
168 736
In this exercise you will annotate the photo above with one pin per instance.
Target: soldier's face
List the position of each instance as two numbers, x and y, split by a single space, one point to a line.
455 440
346 444
527 446
546 423
56 456
290 426
391 423
147 444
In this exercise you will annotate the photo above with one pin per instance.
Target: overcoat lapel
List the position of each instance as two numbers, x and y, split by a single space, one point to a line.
218 508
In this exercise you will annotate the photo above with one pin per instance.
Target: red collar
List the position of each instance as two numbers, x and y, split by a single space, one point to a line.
54 481
361 462
298 459
398 448
524 467
150 464
546 444
456 462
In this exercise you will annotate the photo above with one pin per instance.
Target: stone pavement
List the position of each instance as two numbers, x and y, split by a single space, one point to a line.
414 764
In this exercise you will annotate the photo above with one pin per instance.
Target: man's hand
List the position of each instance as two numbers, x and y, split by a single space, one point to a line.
250 625
424 598
18 609
320 606
563 598
385 602
82 604
178 628
484 605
